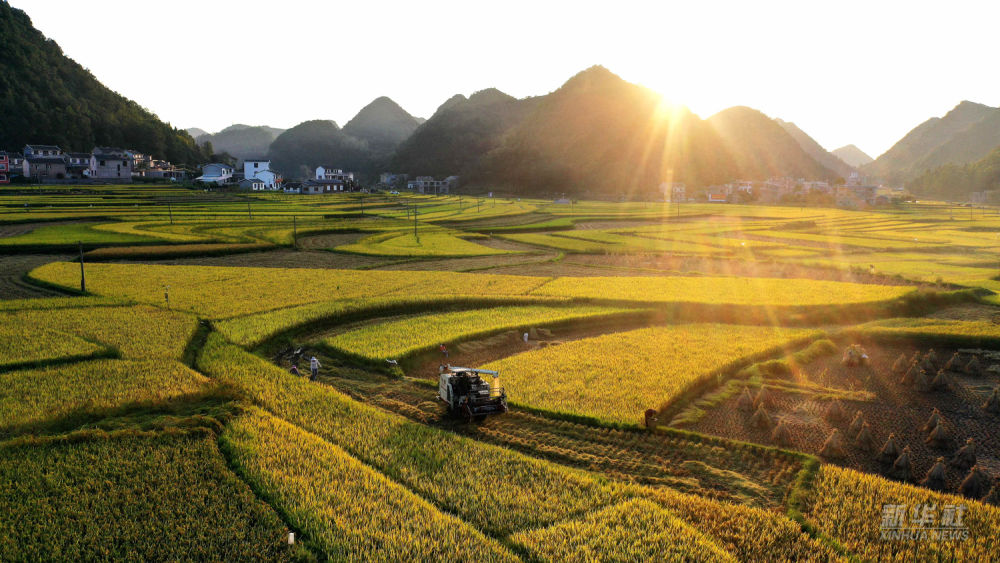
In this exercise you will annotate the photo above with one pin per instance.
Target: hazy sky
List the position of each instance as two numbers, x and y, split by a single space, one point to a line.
845 72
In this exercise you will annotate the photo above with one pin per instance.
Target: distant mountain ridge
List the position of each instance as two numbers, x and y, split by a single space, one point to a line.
853 156
829 160
242 141
383 124
363 146
460 134
965 134
762 148
319 142
599 134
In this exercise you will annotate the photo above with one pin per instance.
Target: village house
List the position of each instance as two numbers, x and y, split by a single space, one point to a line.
673 191
161 170
78 165
110 165
216 173
4 168
821 187
328 180
323 186
140 162
314 187
43 163
428 185
260 169
331 173
166 172
252 184
16 162
42 150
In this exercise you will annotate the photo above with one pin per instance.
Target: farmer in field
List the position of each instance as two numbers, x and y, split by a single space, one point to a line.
294 370
314 366
444 350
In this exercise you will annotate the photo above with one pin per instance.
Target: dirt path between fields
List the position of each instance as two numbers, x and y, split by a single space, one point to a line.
13 268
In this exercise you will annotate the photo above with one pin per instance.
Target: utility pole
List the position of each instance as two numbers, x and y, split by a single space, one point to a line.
362 205
83 276
250 213
415 235
478 203
295 233
171 213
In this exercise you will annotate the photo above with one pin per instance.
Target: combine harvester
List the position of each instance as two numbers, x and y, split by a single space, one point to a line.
468 395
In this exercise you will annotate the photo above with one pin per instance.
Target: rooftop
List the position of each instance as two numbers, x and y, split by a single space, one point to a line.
108 151
51 159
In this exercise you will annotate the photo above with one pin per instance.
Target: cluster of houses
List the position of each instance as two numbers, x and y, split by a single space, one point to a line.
421 184
857 192
257 175
50 164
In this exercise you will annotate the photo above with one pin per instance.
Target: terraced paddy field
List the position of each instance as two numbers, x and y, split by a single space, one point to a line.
156 417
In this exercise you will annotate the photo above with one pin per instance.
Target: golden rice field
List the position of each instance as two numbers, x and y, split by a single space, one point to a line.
223 292
621 243
398 339
242 291
88 389
145 229
933 328
348 510
26 344
747 532
848 506
139 332
173 251
491 488
426 244
58 303
722 291
253 330
494 489
112 449
618 376
635 530
131 496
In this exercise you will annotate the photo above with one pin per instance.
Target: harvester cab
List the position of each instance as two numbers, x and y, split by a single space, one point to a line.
471 393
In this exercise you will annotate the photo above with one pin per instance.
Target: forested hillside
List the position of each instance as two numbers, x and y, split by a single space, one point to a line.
965 134
460 133
599 134
47 98
298 151
953 182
